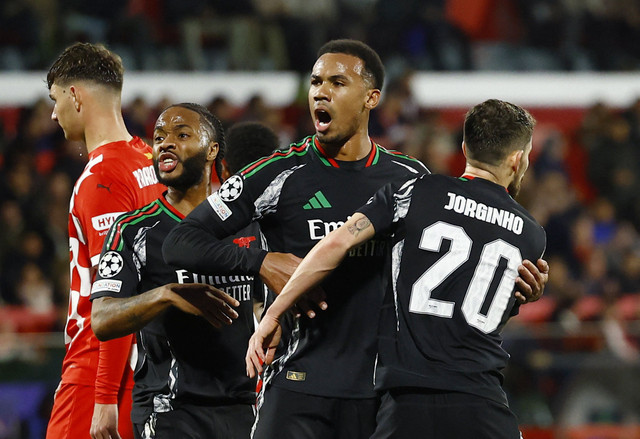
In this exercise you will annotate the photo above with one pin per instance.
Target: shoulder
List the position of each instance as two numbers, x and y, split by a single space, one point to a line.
279 161
434 182
126 163
535 226
126 226
126 156
402 159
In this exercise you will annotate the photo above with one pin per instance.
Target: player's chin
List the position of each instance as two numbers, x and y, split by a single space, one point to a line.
168 178
326 137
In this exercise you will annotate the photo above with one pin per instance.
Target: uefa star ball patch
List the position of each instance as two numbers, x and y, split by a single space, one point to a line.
231 189
110 264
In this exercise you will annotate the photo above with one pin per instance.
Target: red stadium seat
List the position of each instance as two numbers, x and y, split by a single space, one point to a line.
537 312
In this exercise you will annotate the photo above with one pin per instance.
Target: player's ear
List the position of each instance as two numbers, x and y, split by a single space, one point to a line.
76 96
515 160
464 149
373 98
212 153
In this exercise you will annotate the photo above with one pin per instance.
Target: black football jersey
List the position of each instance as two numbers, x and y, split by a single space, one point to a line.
181 358
457 246
298 196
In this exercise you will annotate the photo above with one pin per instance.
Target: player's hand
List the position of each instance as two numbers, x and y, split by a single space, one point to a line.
277 268
205 301
309 302
532 280
263 344
104 423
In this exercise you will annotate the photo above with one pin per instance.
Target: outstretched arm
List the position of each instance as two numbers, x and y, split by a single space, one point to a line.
196 243
115 317
317 265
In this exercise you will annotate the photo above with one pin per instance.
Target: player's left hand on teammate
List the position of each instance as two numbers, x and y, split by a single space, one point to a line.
312 300
263 344
205 301
533 277
104 423
277 268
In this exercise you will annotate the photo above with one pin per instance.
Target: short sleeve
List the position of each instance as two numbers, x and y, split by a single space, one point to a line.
100 200
389 204
119 269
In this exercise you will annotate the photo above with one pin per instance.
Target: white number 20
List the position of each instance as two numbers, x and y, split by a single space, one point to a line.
421 301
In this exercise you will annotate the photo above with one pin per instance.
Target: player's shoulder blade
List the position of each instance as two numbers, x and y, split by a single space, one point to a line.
281 159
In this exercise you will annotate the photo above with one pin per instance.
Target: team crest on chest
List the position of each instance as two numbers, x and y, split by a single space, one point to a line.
231 189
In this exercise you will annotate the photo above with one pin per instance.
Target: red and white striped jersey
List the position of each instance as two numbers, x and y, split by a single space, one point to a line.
118 178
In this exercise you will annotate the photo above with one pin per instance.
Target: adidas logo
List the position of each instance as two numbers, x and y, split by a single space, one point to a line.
318 201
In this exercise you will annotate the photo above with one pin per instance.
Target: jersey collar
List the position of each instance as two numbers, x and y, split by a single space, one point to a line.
168 207
467 177
371 159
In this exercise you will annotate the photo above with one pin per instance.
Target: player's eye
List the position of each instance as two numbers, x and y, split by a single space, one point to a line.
183 136
158 139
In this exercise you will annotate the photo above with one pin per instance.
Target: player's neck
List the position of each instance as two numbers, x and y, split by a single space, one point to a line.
105 127
487 174
185 201
355 148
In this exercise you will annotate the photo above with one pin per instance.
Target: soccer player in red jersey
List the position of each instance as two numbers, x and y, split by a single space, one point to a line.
85 83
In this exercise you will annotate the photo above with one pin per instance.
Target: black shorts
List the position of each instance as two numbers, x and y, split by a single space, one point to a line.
199 422
420 413
292 415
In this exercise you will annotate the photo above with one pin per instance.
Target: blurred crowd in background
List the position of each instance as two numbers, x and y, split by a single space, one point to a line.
284 34
583 186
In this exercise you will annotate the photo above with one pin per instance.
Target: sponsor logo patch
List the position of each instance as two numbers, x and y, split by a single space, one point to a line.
113 286
219 206
318 201
296 376
110 264
231 189
103 222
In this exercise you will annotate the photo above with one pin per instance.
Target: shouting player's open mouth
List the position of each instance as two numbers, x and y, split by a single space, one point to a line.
167 161
323 120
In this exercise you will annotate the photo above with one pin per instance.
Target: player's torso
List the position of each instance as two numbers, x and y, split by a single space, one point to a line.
460 245
316 199
132 171
180 355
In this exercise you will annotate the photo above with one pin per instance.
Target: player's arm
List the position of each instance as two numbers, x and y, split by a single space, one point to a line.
114 317
317 265
196 245
99 208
